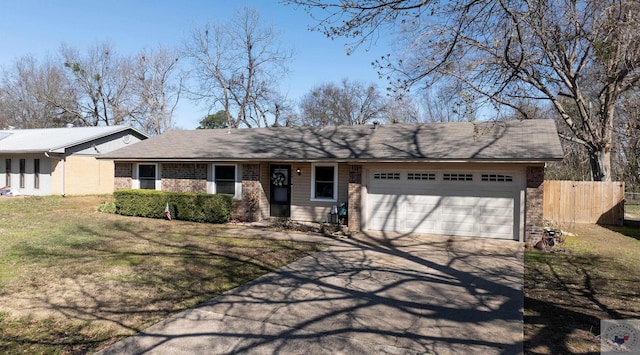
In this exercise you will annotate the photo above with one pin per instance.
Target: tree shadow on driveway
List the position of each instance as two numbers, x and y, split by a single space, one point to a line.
372 294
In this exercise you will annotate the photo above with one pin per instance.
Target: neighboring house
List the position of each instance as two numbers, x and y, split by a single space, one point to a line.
465 179
61 161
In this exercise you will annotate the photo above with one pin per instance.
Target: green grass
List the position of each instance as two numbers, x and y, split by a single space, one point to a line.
568 293
73 279
632 210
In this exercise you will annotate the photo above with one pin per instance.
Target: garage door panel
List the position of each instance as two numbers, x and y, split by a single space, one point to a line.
494 209
422 214
496 201
495 220
386 225
465 208
420 226
384 221
385 202
460 210
458 200
497 231
421 206
458 228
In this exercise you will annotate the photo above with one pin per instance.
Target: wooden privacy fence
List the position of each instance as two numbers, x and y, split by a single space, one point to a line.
584 201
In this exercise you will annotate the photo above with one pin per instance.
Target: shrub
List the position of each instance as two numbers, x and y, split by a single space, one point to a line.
185 206
107 207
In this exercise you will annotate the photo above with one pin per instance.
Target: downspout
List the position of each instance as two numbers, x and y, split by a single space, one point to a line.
46 154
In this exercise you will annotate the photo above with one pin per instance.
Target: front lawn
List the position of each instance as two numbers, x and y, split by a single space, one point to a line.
568 293
73 280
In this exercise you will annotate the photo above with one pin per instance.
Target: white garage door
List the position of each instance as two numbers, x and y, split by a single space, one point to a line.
482 204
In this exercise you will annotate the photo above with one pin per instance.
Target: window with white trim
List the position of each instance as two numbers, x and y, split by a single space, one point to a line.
23 170
147 176
36 173
7 172
224 178
324 182
386 176
457 177
497 177
421 176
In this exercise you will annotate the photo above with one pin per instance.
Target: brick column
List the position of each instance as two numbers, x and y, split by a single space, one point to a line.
534 201
355 198
249 209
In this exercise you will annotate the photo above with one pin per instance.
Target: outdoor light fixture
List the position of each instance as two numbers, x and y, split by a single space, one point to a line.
299 171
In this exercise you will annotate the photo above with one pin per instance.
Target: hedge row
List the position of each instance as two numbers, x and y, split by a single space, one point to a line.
185 206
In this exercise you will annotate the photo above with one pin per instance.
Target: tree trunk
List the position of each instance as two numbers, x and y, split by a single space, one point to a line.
600 162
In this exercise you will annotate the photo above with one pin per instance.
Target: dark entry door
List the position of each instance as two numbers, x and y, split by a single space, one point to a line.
280 190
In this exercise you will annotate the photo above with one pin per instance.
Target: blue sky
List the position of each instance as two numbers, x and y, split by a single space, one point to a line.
39 27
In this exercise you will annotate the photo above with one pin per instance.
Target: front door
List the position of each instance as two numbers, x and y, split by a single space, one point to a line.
280 190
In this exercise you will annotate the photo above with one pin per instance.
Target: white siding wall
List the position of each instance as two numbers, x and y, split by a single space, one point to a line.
29 177
302 207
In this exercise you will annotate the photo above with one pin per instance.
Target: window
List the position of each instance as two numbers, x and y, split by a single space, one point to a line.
7 172
224 177
36 173
457 177
421 176
497 177
324 184
386 176
23 168
147 176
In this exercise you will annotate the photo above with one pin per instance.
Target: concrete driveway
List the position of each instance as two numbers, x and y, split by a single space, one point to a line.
376 293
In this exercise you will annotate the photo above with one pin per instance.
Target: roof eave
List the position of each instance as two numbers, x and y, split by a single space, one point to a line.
25 151
340 160
118 129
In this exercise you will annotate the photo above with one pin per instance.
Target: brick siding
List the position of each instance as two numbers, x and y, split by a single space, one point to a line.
123 176
355 198
181 177
248 209
534 204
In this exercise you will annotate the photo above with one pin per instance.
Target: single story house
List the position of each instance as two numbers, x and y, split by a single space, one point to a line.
61 161
482 179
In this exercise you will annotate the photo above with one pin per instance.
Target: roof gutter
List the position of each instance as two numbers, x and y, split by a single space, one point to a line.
46 154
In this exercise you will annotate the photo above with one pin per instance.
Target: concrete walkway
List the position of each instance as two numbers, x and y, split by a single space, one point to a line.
371 294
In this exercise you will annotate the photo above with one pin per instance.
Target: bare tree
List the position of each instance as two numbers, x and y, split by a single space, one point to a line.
236 67
99 88
32 93
347 103
507 51
157 86
401 109
449 104
103 81
284 111
628 131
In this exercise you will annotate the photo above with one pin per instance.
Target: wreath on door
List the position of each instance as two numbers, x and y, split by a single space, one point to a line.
278 179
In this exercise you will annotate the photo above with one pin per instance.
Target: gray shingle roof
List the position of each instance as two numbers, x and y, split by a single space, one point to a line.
523 141
51 139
